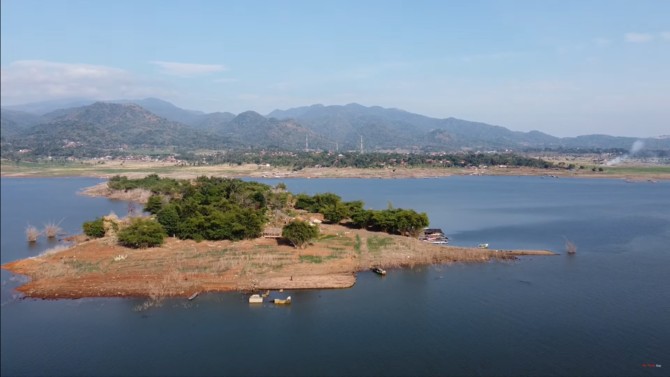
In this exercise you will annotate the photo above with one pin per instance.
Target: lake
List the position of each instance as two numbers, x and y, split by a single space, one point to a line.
604 311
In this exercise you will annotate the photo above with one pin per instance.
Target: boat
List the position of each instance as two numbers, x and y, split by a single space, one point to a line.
378 270
191 297
255 299
283 302
266 294
444 242
483 246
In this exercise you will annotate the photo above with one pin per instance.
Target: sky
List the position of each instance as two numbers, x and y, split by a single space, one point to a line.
564 67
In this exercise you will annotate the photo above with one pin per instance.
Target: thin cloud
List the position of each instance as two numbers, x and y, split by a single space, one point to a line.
226 80
638 37
37 80
666 35
188 69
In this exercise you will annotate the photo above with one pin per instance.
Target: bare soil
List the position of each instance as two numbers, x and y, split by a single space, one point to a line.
102 268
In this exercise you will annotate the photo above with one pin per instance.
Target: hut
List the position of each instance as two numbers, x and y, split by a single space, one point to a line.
272 232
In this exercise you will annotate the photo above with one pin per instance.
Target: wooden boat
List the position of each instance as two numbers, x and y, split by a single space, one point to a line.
484 246
191 297
378 270
283 302
255 299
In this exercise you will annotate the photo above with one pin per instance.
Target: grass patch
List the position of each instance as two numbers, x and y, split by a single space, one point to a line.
84 267
326 238
311 259
213 253
377 243
262 247
357 245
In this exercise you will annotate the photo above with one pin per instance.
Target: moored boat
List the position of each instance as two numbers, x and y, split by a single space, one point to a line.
283 302
255 299
378 270
191 297
483 246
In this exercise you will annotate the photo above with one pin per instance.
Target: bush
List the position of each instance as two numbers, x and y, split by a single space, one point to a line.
335 213
95 228
300 233
154 205
142 233
168 217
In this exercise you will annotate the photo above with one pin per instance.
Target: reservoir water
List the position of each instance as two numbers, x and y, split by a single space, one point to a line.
604 311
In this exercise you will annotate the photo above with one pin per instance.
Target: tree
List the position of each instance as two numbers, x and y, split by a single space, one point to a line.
335 213
300 233
154 204
168 217
362 218
94 228
142 233
601 169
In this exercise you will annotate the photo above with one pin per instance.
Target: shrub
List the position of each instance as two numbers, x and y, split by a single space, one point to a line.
168 217
95 228
335 213
51 229
142 233
154 205
32 233
300 233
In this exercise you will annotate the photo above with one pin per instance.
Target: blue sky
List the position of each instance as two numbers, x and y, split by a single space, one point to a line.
562 67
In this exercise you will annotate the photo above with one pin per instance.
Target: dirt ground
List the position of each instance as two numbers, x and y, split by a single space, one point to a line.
102 268
141 169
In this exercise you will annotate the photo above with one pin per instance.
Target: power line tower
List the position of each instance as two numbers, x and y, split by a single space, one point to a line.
361 143
306 143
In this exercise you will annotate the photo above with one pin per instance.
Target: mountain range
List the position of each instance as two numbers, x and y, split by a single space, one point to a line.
157 123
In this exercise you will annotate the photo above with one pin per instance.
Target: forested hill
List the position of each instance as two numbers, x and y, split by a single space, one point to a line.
156 123
382 127
109 126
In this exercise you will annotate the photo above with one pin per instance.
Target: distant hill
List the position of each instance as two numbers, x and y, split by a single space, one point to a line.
41 108
109 125
166 110
22 119
255 129
390 128
157 123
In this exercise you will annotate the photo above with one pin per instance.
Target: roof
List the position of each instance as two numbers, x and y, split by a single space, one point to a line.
432 230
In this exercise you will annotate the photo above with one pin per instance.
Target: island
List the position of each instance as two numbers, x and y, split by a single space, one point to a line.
218 234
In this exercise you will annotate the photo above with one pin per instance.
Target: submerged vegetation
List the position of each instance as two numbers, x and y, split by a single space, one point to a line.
32 233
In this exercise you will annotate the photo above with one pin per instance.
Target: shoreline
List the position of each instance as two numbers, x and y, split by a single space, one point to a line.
179 268
345 173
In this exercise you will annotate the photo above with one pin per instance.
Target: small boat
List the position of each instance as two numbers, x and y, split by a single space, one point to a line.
255 299
283 302
266 294
440 242
191 297
378 270
483 246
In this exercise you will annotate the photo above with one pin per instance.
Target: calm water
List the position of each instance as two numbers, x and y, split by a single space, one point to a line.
604 311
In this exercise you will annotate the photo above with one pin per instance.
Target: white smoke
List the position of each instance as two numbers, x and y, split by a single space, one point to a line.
637 146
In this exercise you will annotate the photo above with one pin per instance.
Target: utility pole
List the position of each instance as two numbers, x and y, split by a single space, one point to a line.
361 143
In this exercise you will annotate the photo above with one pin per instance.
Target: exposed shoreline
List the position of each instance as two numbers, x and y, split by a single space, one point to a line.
182 267
138 170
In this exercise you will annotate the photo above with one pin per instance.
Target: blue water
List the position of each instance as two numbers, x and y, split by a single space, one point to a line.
604 311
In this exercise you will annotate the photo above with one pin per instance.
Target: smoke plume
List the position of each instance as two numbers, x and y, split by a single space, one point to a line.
637 146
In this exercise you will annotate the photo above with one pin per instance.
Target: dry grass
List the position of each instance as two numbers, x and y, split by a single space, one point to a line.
51 229
32 233
53 270
570 247
55 250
